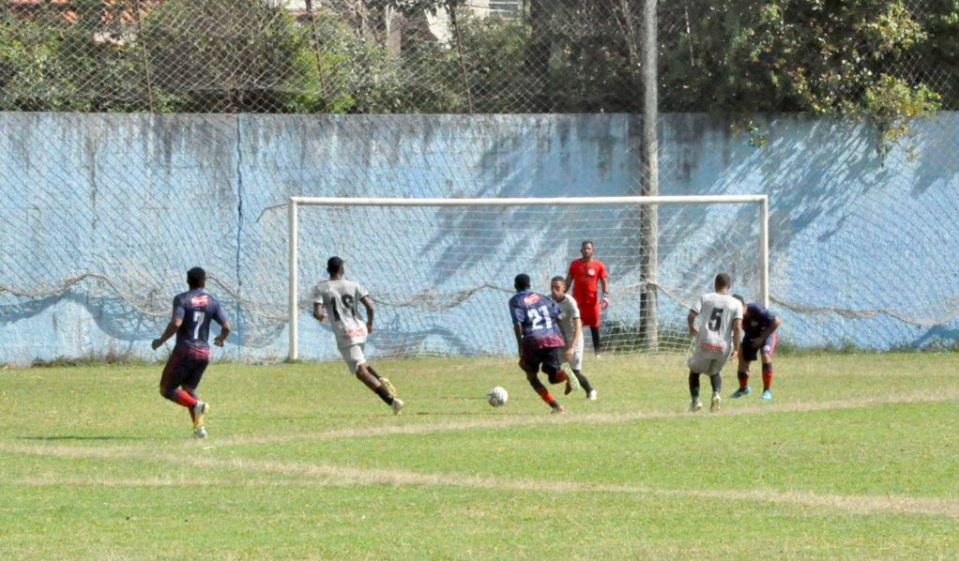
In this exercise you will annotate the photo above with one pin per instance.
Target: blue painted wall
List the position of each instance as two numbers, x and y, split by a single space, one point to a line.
103 214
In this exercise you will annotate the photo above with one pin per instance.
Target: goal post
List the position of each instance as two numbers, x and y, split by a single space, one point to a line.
423 258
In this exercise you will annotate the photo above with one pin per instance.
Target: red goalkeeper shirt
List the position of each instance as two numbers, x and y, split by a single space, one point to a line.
586 275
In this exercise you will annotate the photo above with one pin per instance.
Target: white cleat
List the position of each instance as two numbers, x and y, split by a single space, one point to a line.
591 395
695 406
397 405
714 403
200 432
199 413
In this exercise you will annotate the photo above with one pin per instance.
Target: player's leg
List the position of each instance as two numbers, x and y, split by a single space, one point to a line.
171 379
194 365
747 354
695 364
550 360
766 355
594 332
356 363
383 380
716 381
576 364
695 404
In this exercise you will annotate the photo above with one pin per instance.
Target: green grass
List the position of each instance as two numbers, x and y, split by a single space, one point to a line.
856 458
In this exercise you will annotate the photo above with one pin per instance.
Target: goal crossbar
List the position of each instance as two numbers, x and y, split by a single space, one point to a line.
295 202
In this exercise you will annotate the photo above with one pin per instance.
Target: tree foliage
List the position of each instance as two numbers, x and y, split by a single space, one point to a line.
875 58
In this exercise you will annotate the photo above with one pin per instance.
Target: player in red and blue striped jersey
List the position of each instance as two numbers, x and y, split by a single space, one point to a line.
539 339
192 313
759 338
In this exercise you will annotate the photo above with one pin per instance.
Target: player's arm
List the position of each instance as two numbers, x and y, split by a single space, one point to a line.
318 312
176 320
737 335
769 330
368 304
170 331
518 331
577 333
691 323
225 328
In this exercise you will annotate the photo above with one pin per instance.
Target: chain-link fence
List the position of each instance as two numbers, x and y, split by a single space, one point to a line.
189 167
465 56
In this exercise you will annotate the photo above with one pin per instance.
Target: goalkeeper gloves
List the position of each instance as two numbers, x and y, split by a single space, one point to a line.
604 303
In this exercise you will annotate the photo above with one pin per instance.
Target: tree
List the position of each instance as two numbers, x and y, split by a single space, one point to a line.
245 56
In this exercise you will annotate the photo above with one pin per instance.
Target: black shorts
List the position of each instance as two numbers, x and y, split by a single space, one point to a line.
185 367
750 352
550 358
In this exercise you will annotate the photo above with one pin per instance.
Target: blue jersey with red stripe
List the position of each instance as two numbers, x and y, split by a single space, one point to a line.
538 316
196 308
756 320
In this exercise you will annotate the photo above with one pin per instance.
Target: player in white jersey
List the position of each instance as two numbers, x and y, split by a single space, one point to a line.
719 332
572 328
337 299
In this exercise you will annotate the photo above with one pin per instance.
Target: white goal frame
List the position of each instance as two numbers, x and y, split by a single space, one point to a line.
295 202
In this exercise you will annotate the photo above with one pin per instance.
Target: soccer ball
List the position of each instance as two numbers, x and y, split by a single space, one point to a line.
497 397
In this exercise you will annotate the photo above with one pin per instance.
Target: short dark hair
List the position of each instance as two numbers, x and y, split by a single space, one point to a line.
590 242
740 298
521 282
723 281
557 278
196 277
333 265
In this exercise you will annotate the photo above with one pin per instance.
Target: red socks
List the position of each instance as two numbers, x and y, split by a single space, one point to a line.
767 376
180 397
544 393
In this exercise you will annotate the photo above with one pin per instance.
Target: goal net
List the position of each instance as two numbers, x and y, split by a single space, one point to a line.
440 271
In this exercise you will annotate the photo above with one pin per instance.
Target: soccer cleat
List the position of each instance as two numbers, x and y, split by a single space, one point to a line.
767 395
397 405
741 392
558 410
695 406
714 403
200 432
591 395
389 386
199 412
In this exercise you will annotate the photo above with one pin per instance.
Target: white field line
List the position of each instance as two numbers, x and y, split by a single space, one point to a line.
576 418
325 474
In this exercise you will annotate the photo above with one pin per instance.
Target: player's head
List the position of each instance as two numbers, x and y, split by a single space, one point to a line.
557 287
521 282
196 278
741 301
334 266
586 248
722 282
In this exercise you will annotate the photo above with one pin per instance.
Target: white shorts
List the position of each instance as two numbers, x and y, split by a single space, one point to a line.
353 356
706 363
576 361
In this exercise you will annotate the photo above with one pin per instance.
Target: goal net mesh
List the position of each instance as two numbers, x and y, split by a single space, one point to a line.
441 276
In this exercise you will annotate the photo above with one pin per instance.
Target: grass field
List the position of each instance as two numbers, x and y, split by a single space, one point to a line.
856 458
